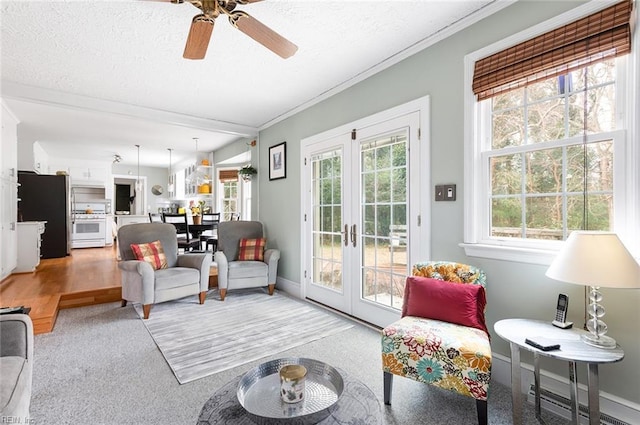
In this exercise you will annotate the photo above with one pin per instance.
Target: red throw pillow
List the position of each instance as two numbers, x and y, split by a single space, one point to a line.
252 249
151 253
461 303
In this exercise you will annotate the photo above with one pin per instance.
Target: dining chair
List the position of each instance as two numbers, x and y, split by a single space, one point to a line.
210 237
179 221
234 216
155 218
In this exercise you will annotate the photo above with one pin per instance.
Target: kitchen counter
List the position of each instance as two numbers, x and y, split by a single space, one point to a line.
110 230
123 219
29 245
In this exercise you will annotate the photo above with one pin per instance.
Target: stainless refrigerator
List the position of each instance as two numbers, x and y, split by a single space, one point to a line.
45 197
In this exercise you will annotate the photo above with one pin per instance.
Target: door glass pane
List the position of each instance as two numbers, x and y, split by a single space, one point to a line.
326 178
383 215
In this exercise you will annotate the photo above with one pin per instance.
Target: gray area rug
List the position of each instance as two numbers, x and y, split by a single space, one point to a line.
200 340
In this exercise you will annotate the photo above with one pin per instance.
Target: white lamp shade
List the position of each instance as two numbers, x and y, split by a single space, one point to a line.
595 259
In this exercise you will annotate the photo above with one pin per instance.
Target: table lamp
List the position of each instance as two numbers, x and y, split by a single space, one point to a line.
595 259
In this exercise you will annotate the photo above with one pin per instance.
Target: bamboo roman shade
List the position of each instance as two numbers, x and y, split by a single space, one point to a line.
606 33
226 176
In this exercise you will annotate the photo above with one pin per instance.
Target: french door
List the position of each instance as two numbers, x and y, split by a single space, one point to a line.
362 217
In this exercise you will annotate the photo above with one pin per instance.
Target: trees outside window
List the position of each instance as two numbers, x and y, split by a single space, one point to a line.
229 200
551 143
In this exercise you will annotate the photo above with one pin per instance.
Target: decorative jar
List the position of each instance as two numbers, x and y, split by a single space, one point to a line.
292 380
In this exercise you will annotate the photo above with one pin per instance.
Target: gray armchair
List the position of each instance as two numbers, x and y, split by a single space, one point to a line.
186 274
234 274
16 366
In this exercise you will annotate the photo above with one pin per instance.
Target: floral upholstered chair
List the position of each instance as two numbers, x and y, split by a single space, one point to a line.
442 338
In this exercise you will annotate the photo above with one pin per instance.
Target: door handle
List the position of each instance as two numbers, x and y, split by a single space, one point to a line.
353 235
346 235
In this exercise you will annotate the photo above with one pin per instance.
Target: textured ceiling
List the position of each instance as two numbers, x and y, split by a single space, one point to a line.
93 78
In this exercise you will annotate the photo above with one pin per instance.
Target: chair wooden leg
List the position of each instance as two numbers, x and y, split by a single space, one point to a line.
124 303
388 386
272 286
203 295
481 406
223 293
146 309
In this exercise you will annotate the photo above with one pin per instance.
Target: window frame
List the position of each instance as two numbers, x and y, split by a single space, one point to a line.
477 242
243 195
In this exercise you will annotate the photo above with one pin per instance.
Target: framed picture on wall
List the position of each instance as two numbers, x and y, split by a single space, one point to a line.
278 161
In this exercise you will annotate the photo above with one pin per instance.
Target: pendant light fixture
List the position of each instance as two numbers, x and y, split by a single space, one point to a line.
138 182
170 184
196 176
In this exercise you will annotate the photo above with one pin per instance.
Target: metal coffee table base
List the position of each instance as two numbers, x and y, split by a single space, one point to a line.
357 401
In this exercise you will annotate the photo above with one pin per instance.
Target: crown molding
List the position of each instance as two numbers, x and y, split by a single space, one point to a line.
26 93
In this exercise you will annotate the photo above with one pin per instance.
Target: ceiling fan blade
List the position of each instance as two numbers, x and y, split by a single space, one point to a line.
198 38
263 34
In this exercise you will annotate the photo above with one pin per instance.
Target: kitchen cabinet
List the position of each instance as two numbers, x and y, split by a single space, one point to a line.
40 159
8 192
88 175
198 180
29 242
8 254
199 185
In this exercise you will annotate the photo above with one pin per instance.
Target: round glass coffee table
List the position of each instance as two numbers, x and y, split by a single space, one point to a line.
356 402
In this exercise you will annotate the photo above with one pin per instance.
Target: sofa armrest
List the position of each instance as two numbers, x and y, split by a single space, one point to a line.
223 269
202 262
192 261
138 277
271 257
16 336
16 343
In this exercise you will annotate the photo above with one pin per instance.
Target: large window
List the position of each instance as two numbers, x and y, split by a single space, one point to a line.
551 143
550 152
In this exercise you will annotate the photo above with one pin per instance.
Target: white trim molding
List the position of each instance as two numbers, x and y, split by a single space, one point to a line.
43 96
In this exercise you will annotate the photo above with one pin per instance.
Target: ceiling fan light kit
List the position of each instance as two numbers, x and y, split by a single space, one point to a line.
202 28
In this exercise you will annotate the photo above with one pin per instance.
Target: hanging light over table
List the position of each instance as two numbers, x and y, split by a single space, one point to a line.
170 184
138 182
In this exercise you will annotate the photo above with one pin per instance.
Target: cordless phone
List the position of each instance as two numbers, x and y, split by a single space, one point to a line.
561 313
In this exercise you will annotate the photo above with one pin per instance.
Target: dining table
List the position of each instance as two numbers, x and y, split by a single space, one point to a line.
198 229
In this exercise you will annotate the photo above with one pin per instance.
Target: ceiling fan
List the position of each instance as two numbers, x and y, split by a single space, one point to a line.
202 27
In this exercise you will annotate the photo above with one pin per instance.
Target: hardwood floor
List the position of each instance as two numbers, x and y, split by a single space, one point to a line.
88 276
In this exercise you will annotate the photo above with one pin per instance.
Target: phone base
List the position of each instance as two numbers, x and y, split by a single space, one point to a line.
562 325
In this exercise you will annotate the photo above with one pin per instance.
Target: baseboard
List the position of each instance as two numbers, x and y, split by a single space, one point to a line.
618 411
290 287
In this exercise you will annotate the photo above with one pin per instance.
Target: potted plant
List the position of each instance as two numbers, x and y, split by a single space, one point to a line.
196 211
247 172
